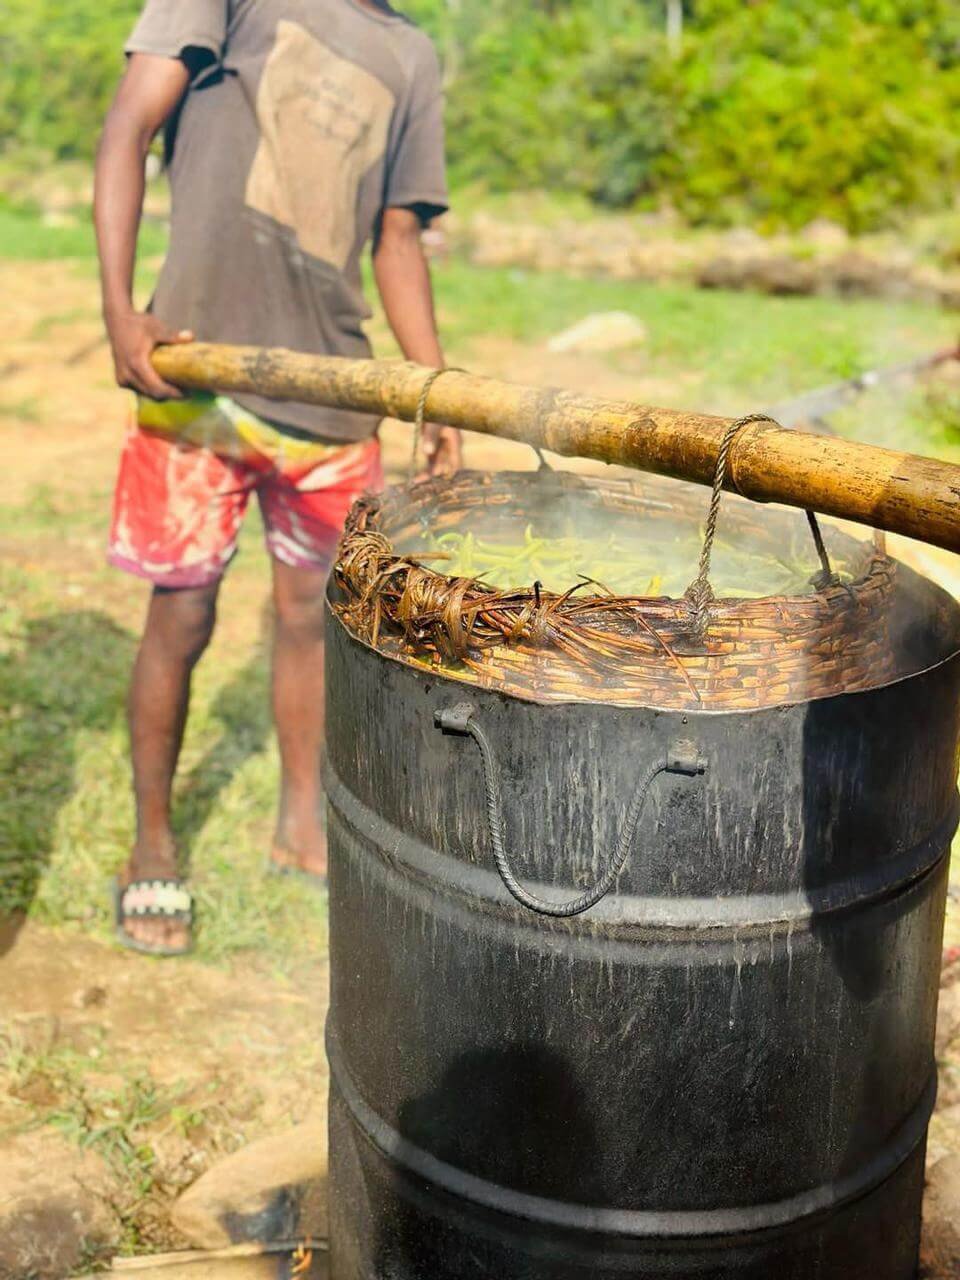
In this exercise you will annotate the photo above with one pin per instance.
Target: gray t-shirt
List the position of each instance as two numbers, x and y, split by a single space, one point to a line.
304 120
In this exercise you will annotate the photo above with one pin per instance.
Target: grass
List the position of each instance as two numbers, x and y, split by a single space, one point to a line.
743 349
65 815
25 237
128 1119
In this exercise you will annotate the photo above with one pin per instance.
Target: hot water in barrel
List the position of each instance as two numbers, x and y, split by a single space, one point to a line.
636 896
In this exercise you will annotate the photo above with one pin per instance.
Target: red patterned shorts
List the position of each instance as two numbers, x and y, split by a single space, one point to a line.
188 471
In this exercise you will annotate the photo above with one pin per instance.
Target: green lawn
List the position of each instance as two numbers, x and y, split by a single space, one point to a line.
24 237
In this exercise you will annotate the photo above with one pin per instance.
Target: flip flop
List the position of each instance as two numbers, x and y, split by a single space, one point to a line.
275 868
152 899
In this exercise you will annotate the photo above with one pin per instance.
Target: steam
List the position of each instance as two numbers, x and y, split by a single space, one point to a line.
640 539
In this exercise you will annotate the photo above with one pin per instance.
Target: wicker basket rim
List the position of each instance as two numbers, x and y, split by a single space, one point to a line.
520 693
554 648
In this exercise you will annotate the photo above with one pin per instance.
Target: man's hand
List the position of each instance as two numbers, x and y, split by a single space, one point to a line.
443 450
134 336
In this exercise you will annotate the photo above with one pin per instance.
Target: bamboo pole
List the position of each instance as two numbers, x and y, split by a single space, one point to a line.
899 492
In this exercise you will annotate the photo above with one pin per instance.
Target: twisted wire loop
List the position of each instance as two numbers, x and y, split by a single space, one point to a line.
421 413
590 897
700 593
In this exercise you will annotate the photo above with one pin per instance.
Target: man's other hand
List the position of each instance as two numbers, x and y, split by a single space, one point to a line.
134 337
442 448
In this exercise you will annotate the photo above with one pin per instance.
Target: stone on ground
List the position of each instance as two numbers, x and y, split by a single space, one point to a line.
940 1250
274 1189
53 1207
226 1265
603 331
948 1018
944 1138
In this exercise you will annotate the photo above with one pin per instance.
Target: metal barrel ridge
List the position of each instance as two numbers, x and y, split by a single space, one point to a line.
722 1070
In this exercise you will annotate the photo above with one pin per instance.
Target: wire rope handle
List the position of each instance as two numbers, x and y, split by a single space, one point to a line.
682 757
700 593
419 419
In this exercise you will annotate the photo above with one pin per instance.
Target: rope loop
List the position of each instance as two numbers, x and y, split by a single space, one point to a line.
421 413
420 417
700 593
615 861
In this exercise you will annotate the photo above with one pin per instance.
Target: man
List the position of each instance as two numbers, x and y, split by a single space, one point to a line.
296 131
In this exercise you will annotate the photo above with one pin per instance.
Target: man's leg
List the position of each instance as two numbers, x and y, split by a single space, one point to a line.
303 513
298 709
176 514
178 628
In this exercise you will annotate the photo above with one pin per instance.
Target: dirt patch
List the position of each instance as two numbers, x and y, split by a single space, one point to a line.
54 1207
57 393
158 1071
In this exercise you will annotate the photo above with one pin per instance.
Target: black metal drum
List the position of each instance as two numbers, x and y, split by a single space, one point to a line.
723 1069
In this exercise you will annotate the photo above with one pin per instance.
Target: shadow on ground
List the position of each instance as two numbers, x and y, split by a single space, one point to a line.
68 675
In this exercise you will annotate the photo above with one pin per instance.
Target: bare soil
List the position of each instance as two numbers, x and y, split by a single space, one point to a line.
184 1060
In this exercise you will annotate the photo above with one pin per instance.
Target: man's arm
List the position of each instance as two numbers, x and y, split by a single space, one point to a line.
149 93
403 279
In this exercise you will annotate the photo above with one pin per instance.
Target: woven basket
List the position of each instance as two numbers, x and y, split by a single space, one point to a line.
587 646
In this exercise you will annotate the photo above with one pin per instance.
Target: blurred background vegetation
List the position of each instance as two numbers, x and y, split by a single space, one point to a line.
763 112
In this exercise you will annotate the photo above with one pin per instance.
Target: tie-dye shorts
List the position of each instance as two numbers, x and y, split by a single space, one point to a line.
188 470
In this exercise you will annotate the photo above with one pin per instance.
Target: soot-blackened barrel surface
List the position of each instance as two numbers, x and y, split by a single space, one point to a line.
723 1070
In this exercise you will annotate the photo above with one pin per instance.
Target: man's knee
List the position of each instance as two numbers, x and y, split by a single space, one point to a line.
299 607
185 619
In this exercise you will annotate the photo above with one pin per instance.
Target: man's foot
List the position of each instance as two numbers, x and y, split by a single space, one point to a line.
300 847
149 932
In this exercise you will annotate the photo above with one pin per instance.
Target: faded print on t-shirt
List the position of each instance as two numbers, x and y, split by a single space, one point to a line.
323 125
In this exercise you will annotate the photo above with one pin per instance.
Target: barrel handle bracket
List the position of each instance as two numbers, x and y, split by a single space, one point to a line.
682 757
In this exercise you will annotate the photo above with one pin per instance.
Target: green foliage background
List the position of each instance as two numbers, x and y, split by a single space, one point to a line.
774 111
